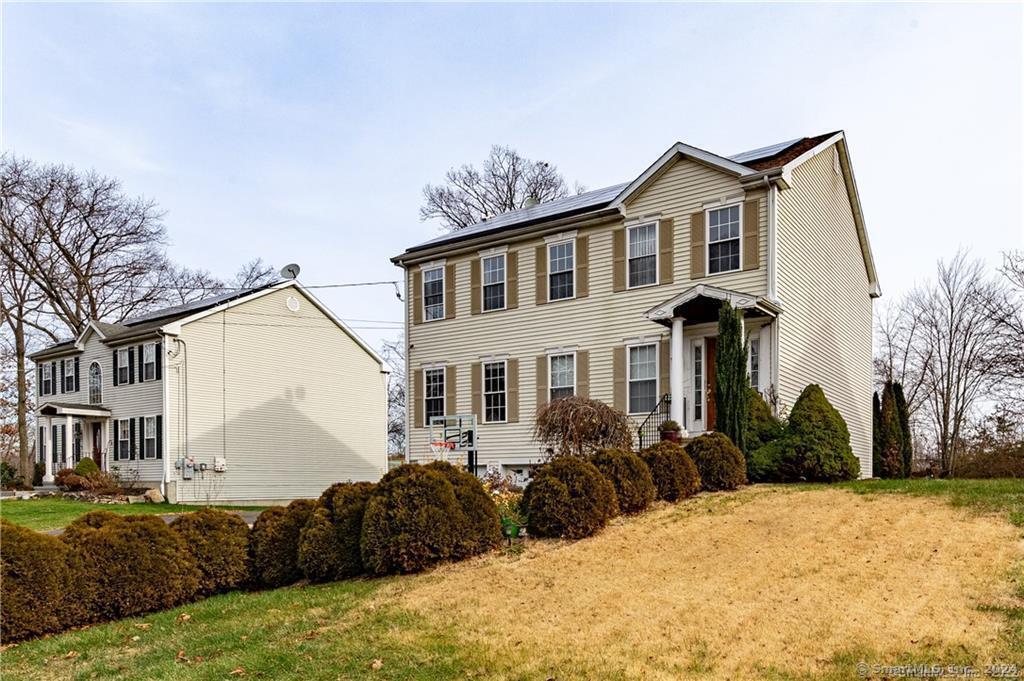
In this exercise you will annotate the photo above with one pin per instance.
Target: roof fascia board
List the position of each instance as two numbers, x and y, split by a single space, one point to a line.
129 337
47 353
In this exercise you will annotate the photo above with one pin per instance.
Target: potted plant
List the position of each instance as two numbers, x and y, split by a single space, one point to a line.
671 431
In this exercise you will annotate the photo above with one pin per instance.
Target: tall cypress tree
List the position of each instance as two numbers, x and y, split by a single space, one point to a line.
876 435
731 381
892 436
903 414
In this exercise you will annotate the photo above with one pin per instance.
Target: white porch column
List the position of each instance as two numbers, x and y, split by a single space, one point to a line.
69 444
675 372
48 458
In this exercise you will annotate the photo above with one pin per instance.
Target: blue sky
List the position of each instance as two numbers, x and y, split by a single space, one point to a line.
305 132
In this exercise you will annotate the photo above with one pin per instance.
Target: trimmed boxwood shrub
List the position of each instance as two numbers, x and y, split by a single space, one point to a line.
630 476
125 566
816 446
274 543
219 543
569 498
674 473
329 543
33 582
719 462
86 467
413 520
477 505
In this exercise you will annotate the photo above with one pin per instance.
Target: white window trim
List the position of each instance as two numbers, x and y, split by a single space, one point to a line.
657 374
548 247
145 346
423 292
483 388
69 373
552 239
504 282
657 252
444 393
551 357
707 238
145 453
123 364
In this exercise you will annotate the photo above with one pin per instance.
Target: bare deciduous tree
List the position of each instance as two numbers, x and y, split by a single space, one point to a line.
902 357
394 354
1008 314
506 182
185 285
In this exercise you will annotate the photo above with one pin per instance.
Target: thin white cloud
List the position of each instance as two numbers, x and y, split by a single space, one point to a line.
107 144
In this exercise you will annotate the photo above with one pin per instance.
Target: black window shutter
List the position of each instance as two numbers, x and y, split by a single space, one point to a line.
39 380
159 432
63 442
117 439
131 438
62 377
77 388
53 377
115 370
142 437
53 436
131 365
142 363
159 362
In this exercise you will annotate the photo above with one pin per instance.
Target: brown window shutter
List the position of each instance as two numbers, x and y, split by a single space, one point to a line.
451 403
666 242
474 286
542 380
416 299
619 260
476 387
582 266
541 267
449 291
751 234
417 397
512 280
583 373
664 347
697 243
619 376
512 390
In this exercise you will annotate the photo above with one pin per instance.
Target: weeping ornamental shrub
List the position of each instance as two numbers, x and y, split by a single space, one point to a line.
34 581
274 543
629 475
329 543
732 386
719 462
673 471
577 426
569 498
219 544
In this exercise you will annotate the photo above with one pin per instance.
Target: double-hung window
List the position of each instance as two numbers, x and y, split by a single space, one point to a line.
124 438
755 363
643 254
47 379
494 282
69 376
149 437
95 384
561 268
149 362
433 393
123 365
724 239
495 397
563 376
643 378
433 294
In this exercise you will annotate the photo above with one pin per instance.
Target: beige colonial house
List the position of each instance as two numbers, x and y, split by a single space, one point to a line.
614 294
257 395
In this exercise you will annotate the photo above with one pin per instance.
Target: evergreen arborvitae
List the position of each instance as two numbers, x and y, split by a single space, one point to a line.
903 412
732 383
891 444
876 435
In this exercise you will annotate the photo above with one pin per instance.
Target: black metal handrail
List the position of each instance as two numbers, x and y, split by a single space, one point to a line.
647 433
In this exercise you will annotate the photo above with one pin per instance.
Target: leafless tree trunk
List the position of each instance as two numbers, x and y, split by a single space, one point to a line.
902 357
507 182
1007 312
394 354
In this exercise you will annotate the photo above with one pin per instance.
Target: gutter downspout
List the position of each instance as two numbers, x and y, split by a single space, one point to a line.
773 288
166 416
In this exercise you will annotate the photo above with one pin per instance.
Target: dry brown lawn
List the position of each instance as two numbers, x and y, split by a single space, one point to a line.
768 580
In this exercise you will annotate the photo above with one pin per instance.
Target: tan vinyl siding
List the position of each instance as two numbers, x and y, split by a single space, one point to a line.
288 398
597 324
825 331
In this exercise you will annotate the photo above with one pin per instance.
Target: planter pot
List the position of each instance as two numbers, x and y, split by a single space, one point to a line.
672 435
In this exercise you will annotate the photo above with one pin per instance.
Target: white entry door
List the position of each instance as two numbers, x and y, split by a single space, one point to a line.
697 400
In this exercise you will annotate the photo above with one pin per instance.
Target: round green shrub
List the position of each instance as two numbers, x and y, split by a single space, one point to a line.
219 543
34 580
630 476
127 565
412 521
569 498
329 543
817 441
274 543
674 473
762 426
763 464
86 467
477 505
720 463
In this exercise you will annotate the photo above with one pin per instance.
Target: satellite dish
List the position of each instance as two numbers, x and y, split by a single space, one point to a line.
290 271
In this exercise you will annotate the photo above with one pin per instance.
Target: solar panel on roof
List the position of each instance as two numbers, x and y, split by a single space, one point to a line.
763 152
195 305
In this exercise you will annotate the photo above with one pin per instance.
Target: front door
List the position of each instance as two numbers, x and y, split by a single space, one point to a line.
97 443
709 363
